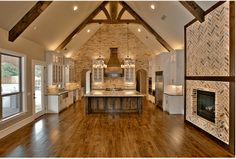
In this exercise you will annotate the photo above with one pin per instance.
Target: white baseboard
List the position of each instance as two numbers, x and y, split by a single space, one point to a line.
16 126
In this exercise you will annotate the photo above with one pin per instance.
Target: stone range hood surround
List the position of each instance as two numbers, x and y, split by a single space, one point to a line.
113 66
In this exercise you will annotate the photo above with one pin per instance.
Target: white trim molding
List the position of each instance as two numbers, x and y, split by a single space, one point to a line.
16 126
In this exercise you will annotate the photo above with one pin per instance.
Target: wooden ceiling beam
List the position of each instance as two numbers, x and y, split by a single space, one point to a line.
121 13
27 19
194 9
125 21
113 9
147 26
106 13
82 25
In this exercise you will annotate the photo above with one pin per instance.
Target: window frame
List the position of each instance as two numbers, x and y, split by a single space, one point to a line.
21 92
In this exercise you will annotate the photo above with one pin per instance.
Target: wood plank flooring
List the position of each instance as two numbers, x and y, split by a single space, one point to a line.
73 134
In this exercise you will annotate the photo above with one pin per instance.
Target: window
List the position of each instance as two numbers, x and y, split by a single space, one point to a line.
11 85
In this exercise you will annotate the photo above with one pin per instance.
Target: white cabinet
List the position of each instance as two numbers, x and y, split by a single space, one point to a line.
98 75
69 100
174 104
129 75
55 68
69 70
77 95
57 103
172 65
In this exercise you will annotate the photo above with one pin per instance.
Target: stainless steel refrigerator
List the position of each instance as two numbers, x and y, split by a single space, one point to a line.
159 89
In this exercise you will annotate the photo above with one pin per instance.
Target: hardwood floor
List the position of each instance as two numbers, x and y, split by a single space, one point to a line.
73 134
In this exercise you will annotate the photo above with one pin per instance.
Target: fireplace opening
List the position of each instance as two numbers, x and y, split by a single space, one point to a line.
206 105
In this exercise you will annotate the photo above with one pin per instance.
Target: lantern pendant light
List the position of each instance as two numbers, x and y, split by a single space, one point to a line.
128 62
99 62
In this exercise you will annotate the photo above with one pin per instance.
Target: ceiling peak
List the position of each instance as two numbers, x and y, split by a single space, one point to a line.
113 17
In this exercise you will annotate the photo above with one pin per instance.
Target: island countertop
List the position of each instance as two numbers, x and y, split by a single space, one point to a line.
123 93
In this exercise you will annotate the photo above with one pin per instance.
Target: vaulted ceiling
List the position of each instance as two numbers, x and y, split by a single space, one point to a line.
51 27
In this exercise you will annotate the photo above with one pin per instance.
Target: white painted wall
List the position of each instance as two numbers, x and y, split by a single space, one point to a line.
31 50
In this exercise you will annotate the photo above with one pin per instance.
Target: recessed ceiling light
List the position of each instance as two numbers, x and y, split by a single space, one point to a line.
139 30
152 6
88 30
75 8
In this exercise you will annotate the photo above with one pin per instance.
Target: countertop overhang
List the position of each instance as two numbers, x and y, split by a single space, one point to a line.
124 93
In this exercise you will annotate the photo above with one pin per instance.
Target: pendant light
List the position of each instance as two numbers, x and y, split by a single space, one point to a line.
99 62
128 62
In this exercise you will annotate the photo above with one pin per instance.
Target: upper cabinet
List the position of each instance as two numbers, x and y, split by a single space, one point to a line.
129 75
69 70
98 70
129 70
98 75
55 68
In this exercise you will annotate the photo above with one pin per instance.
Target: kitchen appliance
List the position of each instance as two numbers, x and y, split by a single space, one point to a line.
113 66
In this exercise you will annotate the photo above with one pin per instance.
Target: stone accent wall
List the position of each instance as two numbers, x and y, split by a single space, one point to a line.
110 82
219 129
114 35
208 44
207 54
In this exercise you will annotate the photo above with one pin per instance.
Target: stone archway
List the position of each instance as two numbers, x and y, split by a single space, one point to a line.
141 81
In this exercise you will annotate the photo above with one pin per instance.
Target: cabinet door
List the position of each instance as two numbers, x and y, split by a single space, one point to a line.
70 74
56 76
98 74
53 74
61 104
129 75
60 73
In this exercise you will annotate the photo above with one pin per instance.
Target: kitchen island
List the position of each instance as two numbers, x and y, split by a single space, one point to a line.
101 101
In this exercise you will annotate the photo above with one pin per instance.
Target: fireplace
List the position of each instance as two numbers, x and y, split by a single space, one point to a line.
206 105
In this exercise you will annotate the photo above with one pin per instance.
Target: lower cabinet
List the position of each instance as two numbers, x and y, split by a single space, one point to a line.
57 103
76 94
174 104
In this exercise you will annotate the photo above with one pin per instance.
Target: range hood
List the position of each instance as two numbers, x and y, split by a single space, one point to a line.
113 66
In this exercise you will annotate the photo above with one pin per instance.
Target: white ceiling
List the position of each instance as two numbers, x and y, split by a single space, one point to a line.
12 11
59 20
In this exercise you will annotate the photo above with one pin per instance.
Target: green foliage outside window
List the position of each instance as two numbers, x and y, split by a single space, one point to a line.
9 69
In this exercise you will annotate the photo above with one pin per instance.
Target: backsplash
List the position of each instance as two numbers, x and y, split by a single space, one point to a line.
113 83
67 86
